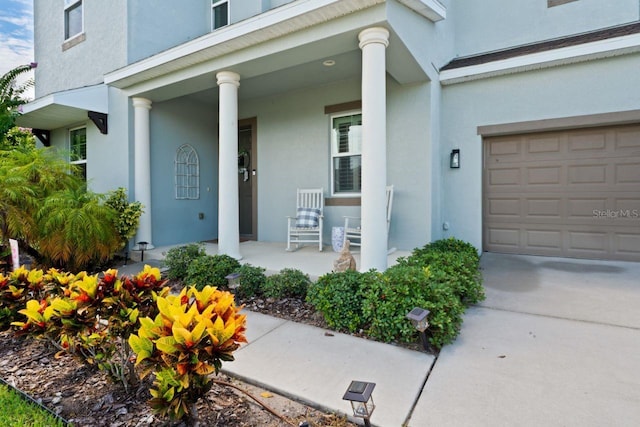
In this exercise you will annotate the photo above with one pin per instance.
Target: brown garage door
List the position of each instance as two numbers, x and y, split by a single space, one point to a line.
571 193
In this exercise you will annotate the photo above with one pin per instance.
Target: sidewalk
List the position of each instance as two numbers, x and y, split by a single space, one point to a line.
556 343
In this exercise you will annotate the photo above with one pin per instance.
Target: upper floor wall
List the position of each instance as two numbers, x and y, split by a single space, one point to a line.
77 55
489 25
78 41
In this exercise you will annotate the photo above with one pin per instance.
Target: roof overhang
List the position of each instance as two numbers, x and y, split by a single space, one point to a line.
611 47
65 108
278 48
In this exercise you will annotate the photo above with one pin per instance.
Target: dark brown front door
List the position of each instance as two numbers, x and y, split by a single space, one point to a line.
247 183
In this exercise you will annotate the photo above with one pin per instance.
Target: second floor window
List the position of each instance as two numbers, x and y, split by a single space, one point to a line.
73 18
219 14
78 149
346 154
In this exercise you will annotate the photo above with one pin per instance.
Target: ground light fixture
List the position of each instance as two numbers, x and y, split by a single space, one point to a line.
359 394
233 280
142 246
418 317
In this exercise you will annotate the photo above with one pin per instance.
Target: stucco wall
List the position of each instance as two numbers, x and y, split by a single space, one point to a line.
293 151
156 27
589 88
173 124
84 64
487 25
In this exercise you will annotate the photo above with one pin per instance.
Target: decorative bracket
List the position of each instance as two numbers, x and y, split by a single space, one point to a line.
43 135
100 120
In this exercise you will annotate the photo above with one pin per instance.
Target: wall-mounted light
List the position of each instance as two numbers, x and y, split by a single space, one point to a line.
454 159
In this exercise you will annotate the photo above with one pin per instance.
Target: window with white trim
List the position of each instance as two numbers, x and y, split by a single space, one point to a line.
187 172
78 150
219 14
346 154
73 18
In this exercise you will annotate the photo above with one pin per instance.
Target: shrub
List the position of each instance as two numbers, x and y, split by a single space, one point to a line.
178 259
397 291
128 214
289 282
188 340
252 281
211 270
338 296
92 317
453 262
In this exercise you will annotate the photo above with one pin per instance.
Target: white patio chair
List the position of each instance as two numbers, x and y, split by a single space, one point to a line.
306 226
352 224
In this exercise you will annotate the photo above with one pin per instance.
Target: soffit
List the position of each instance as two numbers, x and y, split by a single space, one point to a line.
64 108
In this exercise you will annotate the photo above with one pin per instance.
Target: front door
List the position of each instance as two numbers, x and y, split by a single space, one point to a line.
247 183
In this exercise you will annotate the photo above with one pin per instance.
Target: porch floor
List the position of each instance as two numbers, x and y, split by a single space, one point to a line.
273 257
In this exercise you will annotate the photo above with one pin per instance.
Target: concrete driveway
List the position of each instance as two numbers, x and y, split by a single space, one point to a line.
556 343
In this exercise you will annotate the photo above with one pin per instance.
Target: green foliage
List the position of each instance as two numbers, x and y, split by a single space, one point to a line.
18 412
17 137
441 277
252 281
211 270
11 97
50 212
453 262
76 230
398 291
179 258
289 282
338 296
127 216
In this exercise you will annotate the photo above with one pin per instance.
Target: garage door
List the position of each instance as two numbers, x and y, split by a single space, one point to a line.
571 193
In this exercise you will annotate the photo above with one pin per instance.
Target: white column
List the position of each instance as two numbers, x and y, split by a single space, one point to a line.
142 171
228 204
373 43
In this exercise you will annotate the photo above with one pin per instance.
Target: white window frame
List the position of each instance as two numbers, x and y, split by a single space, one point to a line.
215 4
187 173
68 5
357 150
78 161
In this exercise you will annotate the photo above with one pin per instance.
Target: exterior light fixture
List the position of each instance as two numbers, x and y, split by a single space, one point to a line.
454 159
233 280
359 394
418 317
142 246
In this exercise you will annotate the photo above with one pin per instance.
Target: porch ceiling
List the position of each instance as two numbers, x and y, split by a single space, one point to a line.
288 62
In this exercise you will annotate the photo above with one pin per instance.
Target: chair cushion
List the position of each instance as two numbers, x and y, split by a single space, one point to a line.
307 217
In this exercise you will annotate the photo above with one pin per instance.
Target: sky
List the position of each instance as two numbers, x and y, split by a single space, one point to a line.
16 36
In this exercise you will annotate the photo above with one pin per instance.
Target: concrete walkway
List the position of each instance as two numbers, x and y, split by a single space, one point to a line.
556 343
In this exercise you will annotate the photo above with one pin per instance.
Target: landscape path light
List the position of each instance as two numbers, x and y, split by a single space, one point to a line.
233 280
359 394
142 246
418 317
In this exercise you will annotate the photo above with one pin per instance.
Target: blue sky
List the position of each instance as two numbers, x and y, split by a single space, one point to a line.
16 34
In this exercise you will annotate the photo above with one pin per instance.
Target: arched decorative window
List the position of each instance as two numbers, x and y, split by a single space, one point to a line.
187 169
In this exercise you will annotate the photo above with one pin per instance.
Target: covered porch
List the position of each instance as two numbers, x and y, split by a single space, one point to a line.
268 255
287 83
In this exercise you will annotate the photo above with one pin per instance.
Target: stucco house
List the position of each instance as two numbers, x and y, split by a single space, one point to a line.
514 125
